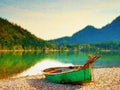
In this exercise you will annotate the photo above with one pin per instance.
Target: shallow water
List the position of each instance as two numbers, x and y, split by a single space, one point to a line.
31 63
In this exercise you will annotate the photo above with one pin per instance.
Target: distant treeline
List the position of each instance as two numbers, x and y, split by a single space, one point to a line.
93 46
14 37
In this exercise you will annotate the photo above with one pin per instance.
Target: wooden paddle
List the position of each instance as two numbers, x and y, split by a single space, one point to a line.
89 62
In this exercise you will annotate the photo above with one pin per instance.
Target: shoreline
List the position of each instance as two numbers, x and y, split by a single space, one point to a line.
52 50
35 50
103 79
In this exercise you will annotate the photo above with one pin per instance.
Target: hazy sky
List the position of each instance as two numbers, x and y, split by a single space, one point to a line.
49 19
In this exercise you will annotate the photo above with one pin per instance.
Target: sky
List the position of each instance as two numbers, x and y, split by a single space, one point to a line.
51 19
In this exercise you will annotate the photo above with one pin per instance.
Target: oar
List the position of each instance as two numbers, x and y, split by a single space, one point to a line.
89 62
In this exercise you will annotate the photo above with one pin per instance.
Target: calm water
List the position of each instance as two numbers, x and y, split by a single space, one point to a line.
29 63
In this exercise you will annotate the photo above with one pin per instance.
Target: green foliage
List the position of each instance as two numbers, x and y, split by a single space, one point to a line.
93 47
14 37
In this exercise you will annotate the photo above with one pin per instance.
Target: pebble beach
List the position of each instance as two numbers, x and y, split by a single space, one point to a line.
103 79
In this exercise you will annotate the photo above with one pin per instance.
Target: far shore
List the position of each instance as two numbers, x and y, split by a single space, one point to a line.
50 50
32 50
21 50
103 79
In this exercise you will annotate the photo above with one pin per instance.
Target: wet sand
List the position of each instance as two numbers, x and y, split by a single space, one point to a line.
103 79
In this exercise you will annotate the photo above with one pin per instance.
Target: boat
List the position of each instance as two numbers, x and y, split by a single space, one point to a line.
71 74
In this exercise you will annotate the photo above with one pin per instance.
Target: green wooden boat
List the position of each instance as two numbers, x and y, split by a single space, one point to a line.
71 74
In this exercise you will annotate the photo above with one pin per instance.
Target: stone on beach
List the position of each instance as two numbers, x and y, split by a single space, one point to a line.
103 79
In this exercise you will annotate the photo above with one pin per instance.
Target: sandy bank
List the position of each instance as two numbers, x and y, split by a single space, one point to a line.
104 79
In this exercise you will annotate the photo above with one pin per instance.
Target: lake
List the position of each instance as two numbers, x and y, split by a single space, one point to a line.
31 63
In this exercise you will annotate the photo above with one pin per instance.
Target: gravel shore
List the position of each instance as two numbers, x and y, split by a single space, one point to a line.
103 79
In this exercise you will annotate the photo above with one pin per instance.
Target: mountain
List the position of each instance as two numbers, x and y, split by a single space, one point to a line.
90 34
14 37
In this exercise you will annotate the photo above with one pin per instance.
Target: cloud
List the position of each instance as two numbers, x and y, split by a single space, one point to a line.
57 18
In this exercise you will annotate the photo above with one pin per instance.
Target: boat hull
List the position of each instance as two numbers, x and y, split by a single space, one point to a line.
75 76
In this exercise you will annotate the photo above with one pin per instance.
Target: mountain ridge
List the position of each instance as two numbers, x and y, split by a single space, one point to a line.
90 34
14 37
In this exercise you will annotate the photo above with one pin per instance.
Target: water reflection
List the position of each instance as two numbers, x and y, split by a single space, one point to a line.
39 67
13 63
